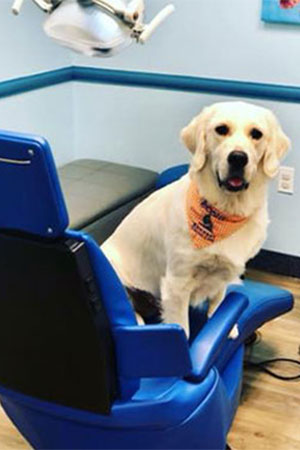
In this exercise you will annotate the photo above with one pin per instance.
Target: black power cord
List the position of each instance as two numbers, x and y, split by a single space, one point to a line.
263 365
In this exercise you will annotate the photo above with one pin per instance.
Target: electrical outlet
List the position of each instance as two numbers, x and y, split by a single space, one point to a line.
286 180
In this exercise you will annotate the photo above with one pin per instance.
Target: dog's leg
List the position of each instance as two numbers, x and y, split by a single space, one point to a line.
175 299
215 300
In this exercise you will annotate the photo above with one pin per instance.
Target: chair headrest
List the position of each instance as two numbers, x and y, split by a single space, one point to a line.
31 199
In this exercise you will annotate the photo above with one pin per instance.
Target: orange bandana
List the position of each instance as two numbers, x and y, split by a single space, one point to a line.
208 224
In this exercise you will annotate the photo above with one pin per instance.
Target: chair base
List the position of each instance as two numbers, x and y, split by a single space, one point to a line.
44 426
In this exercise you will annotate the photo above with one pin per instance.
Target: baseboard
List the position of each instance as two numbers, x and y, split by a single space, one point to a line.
275 262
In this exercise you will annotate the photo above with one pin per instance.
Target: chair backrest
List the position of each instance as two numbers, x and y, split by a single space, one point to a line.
30 196
55 337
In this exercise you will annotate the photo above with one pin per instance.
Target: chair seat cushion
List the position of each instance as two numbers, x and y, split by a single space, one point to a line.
96 189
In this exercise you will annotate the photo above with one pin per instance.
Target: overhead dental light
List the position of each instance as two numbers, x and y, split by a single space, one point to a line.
97 27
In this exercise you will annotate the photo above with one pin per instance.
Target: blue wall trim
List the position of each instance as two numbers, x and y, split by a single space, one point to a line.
187 84
29 83
150 80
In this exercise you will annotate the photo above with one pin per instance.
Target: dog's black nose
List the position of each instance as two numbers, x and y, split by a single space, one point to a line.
238 159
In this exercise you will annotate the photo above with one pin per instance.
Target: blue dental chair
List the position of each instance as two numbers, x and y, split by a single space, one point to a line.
76 370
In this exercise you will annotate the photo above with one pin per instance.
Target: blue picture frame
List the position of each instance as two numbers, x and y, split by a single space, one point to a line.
281 11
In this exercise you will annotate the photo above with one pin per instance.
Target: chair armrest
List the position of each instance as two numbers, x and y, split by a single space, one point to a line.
211 339
163 351
152 351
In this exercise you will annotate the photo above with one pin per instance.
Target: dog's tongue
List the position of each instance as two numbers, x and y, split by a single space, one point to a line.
235 182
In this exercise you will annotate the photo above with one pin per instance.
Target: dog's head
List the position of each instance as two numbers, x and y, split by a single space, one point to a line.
235 141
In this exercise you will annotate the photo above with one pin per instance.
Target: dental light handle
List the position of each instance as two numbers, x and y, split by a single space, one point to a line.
44 5
17 5
158 19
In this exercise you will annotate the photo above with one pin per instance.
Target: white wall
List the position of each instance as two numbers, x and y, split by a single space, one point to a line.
26 50
23 45
214 38
47 112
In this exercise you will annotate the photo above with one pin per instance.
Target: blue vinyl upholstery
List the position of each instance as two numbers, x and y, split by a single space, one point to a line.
30 193
171 394
265 303
171 174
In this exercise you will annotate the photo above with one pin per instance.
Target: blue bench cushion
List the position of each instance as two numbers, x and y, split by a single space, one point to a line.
171 174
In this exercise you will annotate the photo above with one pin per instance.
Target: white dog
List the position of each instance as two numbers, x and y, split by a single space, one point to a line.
187 241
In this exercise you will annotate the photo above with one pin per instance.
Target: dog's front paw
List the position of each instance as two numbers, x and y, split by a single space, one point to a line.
139 319
187 331
234 332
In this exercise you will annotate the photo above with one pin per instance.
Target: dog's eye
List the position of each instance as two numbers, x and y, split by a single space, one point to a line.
222 130
256 134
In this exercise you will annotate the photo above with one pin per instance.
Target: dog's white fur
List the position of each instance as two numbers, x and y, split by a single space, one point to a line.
152 250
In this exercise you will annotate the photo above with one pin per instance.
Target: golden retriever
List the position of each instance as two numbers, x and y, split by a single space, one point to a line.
236 148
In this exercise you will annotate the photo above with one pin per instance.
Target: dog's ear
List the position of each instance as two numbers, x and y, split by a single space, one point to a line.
189 134
277 147
194 138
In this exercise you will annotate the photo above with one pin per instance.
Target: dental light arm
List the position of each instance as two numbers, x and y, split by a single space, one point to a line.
97 27
158 19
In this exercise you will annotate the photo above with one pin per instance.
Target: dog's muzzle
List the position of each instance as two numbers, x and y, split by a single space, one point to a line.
235 180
